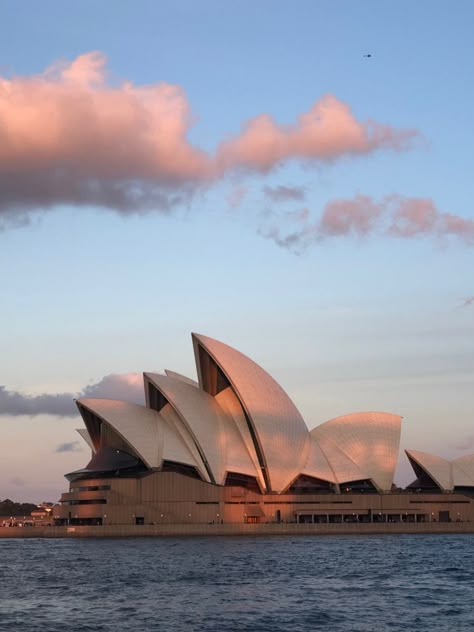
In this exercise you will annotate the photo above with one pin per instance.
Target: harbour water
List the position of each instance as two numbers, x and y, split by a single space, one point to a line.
268 584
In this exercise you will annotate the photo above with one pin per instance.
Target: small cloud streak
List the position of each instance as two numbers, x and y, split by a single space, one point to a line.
126 147
469 300
465 444
360 217
72 446
284 194
236 196
128 387
17 481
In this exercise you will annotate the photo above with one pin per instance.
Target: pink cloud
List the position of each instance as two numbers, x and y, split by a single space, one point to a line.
413 217
68 136
459 226
345 217
327 131
393 216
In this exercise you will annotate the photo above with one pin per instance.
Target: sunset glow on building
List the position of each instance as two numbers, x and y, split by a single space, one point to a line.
233 447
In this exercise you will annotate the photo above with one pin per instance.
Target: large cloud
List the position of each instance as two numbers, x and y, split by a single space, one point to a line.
127 387
361 216
67 136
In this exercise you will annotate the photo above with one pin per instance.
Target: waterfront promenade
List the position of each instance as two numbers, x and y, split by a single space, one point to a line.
232 529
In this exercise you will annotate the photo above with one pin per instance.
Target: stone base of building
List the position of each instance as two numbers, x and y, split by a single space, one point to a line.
133 531
172 502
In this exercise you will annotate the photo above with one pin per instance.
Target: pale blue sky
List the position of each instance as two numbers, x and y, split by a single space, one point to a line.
350 324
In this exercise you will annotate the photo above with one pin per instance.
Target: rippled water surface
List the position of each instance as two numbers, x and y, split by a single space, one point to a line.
238 583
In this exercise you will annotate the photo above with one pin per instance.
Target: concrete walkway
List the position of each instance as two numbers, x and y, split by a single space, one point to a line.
119 531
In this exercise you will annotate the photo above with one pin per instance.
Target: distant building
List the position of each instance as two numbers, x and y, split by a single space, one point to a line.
41 516
233 447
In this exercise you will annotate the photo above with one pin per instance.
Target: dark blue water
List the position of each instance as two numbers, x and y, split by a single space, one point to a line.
276 584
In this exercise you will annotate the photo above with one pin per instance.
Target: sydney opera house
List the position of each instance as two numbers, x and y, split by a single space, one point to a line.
233 448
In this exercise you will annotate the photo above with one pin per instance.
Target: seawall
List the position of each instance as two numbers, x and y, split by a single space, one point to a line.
171 530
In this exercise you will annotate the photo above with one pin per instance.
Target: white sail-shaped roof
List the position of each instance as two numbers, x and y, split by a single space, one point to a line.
446 474
135 424
179 428
203 417
463 471
318 465
87 438
240 451
369 439
437 468
280 435
179 376
344 468
144 430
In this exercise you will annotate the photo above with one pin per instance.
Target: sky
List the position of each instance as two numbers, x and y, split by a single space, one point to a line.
293 179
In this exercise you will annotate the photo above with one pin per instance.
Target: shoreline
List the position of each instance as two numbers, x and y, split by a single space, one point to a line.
233 529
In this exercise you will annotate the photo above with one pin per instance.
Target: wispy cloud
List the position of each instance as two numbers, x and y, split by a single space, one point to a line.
236 196
361 217
17 481
128 387
284 194
467 443
126 147
466 302
16 403
71 446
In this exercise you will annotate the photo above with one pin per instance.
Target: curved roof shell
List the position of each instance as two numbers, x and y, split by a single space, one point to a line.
344 468
183 378
240 450
181 432
318 464
143 430
87 438
371 440
204 419
463 471
437 468
446 474
279 433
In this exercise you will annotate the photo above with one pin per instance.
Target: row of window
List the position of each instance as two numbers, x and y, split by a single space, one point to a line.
91 488
78 521
306 502
440 502
360 518
276 502
89 501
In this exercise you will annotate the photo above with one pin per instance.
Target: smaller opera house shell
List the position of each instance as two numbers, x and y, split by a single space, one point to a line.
232 447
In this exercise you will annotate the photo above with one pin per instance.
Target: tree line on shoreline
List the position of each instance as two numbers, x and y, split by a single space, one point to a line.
10 508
